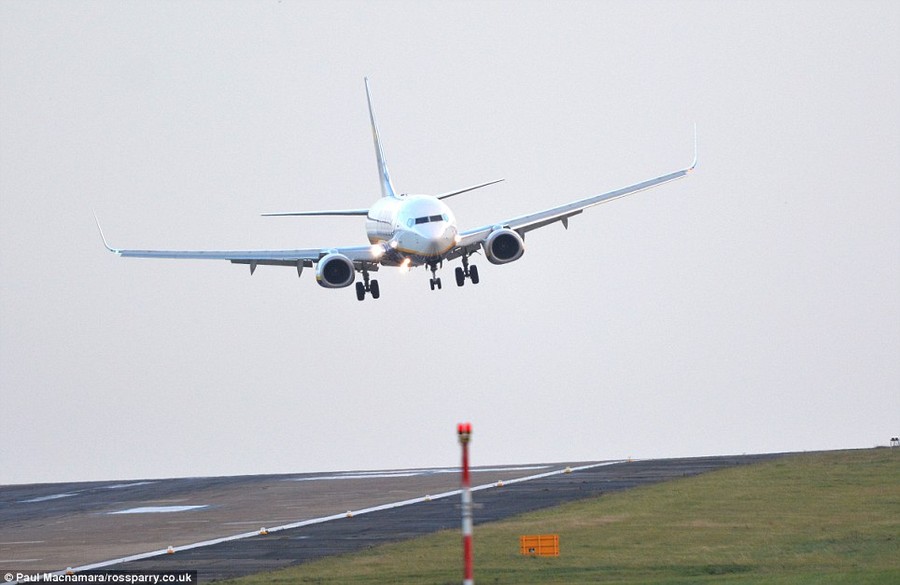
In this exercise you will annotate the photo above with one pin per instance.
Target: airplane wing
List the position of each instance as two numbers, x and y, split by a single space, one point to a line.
473 238
311 213
360 255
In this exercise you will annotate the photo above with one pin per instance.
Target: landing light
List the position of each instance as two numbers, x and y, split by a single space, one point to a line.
404 266
377 250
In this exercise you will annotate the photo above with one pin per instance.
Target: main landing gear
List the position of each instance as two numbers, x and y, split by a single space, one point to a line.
367 287
462 273
465 271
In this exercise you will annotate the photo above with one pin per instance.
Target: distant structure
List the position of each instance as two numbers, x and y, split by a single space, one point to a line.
895 442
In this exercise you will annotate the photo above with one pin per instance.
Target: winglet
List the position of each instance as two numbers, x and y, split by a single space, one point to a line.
102 237
694 162
387 188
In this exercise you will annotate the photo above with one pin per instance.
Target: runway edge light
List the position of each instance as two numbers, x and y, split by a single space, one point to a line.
464 430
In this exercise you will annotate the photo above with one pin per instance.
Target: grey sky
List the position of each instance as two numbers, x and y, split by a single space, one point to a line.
752 307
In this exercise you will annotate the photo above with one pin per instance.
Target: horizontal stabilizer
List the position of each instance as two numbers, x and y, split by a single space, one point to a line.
467 189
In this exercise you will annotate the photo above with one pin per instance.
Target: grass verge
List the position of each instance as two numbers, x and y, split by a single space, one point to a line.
813 518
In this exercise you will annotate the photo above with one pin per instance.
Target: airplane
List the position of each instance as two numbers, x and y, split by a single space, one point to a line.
406 231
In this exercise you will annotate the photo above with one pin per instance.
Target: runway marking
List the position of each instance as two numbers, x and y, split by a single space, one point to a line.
24 542
71 494
356 476
159 509
120 486
19 560
409 473
342 515
46 498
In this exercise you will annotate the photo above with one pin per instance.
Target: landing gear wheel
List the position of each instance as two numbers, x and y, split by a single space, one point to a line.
466 271
367 286
435 281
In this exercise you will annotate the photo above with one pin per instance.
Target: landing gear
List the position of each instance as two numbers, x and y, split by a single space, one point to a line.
367 287
465 271
435 281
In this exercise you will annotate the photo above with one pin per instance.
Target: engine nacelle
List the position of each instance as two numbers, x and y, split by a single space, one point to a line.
504 245
335 271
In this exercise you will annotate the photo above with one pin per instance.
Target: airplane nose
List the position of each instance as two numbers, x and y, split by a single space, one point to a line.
438 238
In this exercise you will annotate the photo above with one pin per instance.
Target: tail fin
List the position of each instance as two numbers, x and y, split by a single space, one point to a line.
387 188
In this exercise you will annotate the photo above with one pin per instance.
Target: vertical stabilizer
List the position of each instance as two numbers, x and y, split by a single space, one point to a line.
384 177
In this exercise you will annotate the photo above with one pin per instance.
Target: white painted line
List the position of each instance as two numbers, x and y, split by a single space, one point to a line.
159 509
358 476
323 519
522 468
410 473
120 486
46 498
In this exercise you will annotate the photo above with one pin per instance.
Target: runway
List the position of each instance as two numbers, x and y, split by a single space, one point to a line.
213 523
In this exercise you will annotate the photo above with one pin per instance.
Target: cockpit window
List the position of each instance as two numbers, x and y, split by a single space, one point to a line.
428 219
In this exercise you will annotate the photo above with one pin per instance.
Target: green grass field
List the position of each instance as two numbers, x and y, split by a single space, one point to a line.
812 518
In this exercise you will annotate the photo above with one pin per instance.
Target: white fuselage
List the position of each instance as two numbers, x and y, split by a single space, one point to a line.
420 228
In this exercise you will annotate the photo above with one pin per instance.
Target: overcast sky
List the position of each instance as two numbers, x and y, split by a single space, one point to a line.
751 307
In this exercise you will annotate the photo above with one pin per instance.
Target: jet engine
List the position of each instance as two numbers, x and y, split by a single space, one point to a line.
504 245
335 271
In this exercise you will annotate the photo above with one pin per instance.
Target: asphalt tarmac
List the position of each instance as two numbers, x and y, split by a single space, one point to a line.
212 523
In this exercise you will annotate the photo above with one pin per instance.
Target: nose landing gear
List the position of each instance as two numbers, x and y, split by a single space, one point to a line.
435 281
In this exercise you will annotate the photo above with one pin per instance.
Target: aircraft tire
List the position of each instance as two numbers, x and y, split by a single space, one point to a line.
473 274
460 276
374 289
360 291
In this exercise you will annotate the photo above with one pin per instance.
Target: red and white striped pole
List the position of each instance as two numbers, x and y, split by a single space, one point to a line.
464 430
